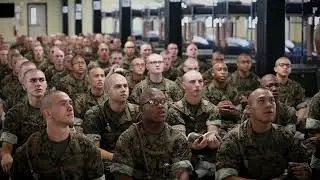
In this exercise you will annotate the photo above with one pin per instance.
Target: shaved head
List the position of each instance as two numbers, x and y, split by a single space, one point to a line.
267 78
253 96
281 59
112 79
188 75
147 94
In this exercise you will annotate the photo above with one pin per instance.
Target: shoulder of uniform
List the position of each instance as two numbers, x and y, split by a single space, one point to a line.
93 110
133 107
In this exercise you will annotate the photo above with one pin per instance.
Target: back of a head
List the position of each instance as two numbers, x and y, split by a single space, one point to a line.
266 78
147 94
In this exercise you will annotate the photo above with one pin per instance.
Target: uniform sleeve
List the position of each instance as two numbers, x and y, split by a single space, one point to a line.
79 106
20 168
94 165
314 110
176 92
11 126
122 159
92 123
228 158
296 153
136 91
181 156
299 95
175 120
214 117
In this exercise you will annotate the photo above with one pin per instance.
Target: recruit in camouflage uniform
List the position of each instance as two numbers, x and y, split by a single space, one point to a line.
245 85
79 160
172 91
291 93
85 101
11 91
195 119
101 120
20 122
72 86
285 116
166 153
242 153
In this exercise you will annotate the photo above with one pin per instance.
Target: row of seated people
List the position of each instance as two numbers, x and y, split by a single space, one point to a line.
203 109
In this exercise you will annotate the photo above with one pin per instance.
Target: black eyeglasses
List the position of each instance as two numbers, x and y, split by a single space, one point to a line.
156 102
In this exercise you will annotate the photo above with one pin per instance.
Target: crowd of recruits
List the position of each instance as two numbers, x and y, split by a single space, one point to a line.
96 101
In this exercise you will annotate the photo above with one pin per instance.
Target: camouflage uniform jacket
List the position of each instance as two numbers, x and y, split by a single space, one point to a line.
20 122
50 72
4 71
12 91
126 62
101 120
181 114
81 159
241 154
245 85
214 93
314 107
172 91
101 63
165 153
132 83
42 65
291 93
177 62
85 101
55 79
171 74
72 86
207 76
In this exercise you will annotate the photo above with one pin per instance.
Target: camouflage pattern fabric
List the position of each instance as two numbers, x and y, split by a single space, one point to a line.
55 79
207 76
49 73
101 120
314 107
242 154
245 85
166 153
172 91
177 62
41 65
72 86
291 93
80 160
85 101
171 74
215 93
126 62
4 71
100 63
181 113
11 91
20 122
132 83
